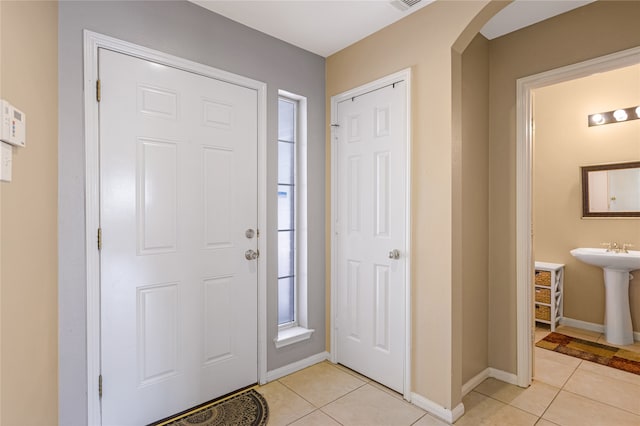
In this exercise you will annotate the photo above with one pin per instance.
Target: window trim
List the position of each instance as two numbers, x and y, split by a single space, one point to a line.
298 330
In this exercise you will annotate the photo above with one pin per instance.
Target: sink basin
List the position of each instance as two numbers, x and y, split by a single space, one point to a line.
607 259
617 267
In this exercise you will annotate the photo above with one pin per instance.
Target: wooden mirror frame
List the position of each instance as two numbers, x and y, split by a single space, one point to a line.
585 189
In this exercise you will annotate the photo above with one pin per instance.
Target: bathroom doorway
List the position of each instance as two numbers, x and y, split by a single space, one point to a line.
531 89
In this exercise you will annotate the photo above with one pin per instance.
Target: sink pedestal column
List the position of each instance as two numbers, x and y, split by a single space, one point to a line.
617 315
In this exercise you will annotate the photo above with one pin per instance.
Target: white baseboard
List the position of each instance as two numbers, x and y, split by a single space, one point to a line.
503 376
590 326
485 374
296 366
475 381
437 410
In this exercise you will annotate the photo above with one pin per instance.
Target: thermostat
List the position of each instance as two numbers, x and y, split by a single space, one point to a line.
14 124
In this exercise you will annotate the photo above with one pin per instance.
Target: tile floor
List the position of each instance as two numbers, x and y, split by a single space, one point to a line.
566 391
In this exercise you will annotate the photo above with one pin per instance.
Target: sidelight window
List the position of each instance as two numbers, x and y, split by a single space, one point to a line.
292 220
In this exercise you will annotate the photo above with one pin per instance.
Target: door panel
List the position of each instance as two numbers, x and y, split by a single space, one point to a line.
371 224
178 186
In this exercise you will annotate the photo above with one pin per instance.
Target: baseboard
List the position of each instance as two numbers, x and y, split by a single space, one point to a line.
503 376
296 366
475 381
590 326
437 410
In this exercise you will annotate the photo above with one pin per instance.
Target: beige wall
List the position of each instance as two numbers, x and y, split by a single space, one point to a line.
28 269
563 143
474 208
429 41
591 31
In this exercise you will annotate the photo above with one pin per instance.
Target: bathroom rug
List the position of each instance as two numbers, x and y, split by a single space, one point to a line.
619 358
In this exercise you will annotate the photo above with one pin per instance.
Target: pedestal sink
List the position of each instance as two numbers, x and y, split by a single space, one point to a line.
617 267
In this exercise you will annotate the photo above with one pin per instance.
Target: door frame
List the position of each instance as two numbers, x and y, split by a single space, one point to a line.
404 75
92 42
524 190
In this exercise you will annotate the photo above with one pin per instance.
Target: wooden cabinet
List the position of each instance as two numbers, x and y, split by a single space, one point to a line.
548 286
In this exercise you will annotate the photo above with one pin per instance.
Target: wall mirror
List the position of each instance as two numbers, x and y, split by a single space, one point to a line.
611 190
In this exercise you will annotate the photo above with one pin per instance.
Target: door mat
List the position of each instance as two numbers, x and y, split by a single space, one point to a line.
610 356
247 408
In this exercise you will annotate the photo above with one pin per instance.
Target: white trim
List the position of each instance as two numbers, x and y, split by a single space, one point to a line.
475 381
438 410
92 42
503 376
404 75
301 282
297 366
524 146
589 326
290 335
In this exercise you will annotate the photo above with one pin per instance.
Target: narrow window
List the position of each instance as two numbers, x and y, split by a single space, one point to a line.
293 324
287 112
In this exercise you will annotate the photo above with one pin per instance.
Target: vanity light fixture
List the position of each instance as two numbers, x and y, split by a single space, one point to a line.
616 116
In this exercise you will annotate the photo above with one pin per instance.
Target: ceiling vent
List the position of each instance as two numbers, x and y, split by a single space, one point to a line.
404 4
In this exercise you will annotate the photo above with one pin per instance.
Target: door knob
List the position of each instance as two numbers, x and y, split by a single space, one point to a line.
394 254
251 255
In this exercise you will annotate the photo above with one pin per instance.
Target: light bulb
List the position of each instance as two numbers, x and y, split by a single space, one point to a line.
597 119
620 115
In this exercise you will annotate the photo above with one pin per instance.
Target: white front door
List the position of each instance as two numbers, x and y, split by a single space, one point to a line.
178 191
371 228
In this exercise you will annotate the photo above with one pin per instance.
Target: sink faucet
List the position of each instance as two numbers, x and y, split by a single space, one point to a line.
614 247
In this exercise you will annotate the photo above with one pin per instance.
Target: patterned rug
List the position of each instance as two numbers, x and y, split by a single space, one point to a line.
247 408
621 359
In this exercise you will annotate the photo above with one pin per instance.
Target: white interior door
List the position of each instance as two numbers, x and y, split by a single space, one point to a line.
178 188
371 234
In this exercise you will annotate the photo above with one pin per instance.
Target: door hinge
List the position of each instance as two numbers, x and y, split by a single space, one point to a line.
100 386
99 238
98 90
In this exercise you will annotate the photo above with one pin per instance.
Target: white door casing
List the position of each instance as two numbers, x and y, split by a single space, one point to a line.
162 225
370 222
524 191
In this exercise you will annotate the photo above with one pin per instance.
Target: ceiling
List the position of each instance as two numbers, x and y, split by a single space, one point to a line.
327 26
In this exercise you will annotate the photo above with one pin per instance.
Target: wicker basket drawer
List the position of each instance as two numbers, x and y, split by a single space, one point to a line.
543 295
543 278
543 312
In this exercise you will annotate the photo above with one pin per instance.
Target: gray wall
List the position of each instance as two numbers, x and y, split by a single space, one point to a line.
189 31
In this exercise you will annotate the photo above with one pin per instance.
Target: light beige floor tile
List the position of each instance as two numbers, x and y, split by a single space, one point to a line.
387 390
548 370
580 333
429 420
569 409
370 406
317 418
321 383
543 422
480 410
557 357
352 372
614 373
284 405
534 399
605 389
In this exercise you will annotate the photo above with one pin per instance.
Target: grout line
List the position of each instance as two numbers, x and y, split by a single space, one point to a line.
604 403
330 416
